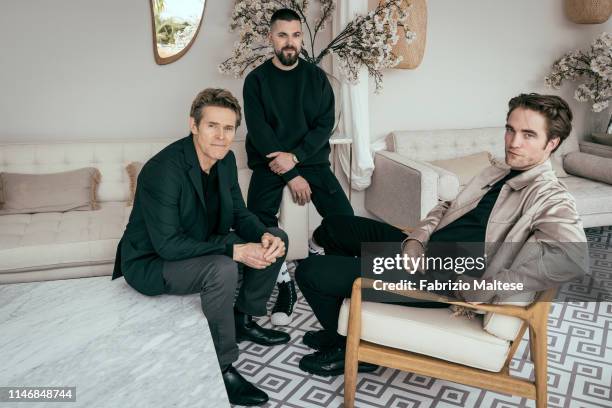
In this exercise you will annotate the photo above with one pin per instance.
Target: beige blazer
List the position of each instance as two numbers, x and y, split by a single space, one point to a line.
535 219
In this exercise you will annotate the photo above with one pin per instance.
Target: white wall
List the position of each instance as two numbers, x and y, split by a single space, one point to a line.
479 54
84 69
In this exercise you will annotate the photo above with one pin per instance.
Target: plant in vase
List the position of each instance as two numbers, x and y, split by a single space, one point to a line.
594 68
366 41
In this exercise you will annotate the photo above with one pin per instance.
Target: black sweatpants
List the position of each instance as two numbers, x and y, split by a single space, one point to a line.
327 280
266 192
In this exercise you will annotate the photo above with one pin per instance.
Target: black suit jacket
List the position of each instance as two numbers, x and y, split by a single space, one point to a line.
169 222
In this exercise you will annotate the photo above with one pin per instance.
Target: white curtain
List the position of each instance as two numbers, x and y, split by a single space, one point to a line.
355 120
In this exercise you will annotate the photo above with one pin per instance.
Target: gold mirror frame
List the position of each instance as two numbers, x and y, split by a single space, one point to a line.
167 60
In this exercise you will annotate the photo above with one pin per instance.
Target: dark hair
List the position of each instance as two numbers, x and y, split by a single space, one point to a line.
214 97
556 111
284 14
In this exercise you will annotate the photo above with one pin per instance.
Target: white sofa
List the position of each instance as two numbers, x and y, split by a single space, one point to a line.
75 244
403 175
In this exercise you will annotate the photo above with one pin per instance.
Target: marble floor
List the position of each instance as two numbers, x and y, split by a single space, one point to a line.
116 346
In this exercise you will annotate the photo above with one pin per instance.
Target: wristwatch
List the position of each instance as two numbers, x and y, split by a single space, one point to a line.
295 159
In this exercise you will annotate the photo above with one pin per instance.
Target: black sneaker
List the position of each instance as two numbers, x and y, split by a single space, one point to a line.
285 302
314 249
329 362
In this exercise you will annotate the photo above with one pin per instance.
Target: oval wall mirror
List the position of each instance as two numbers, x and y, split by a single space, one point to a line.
176 24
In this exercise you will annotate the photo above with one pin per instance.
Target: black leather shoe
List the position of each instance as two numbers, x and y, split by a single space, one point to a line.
320 339
247 329
330 362
240 391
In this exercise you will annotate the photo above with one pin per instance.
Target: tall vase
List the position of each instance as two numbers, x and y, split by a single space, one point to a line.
412 53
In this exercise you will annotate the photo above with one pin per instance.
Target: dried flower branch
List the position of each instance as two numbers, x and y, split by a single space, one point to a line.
593 66
366 41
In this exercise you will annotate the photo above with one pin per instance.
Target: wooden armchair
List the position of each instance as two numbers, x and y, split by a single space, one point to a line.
534 317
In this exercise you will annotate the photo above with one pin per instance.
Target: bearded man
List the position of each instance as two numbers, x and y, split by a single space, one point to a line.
289 112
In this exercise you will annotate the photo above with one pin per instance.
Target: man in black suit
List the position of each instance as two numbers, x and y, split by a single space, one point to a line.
178 239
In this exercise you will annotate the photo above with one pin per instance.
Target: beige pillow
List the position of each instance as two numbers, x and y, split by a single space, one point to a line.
55 192
589 166
133 170
465 167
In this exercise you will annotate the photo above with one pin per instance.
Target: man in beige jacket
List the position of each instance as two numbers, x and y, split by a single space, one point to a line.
525 220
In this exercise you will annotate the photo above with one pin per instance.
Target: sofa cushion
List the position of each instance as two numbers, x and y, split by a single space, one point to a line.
440 144
432 332
55 192
592 197
465 167
61 239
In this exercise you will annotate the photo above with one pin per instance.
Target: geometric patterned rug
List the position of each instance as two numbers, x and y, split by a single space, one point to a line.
579 358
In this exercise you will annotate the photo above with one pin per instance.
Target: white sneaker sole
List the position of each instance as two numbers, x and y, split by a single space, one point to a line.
280 319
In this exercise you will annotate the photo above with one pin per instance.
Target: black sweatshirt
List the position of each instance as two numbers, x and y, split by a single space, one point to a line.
288 111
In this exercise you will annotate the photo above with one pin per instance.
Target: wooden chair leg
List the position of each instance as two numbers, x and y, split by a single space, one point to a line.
539 350
350 374
532 344
352 346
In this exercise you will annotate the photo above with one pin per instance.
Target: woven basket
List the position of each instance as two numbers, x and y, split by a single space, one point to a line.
588 11
417 21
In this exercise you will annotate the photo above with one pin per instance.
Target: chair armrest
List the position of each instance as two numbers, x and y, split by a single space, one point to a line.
596 149
522 312
402 190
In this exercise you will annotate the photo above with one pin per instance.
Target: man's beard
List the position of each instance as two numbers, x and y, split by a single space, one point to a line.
287 60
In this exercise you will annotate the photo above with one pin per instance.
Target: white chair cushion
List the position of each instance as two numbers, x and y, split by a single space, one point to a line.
52 240
432 332
504 326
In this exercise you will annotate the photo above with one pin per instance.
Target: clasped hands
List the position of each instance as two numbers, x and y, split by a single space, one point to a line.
281 163
260 255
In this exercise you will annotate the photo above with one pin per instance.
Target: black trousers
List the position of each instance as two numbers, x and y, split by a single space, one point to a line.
215 278
266 192
327 280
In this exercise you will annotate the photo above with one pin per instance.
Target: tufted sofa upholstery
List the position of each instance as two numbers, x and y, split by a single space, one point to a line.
75 244
404 176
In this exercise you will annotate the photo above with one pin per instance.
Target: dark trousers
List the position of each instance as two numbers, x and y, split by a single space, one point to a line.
325 281
215 278
266 192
